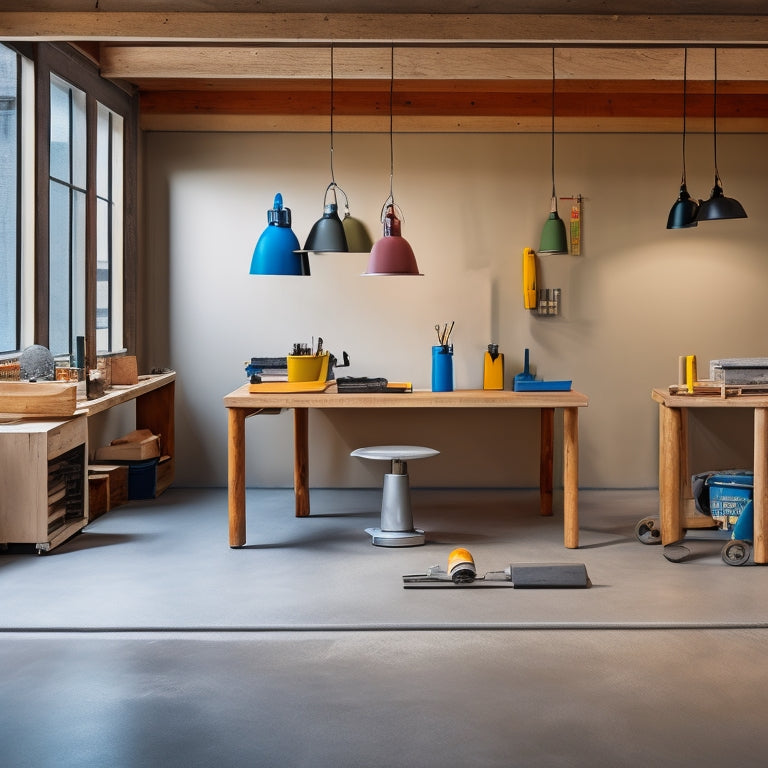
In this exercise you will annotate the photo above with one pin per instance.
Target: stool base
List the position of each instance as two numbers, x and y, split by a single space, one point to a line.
379 538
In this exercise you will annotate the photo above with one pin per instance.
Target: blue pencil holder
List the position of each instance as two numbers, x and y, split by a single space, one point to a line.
442 368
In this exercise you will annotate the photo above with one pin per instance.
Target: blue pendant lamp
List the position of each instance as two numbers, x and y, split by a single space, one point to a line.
683 213
392 253
276 252
327 233
553 236
719 206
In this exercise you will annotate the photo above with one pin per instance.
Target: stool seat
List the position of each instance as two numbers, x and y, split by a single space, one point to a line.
396 518
395 452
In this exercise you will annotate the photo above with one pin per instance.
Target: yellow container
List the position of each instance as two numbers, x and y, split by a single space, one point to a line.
308 367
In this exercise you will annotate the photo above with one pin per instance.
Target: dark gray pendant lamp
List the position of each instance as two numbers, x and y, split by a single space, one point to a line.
719 206
683 213
327 233
553 236
391 254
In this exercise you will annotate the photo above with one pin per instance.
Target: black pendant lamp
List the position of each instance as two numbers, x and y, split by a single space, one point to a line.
553 236
327 233
683 213
719 206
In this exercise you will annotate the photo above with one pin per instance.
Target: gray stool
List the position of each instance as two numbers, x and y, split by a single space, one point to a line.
396 518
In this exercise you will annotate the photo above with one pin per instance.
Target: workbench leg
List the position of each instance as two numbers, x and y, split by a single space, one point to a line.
546 454
301 460
571 477
760 491
236 476
670 439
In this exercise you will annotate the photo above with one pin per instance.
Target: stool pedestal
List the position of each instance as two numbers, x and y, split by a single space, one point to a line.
396 528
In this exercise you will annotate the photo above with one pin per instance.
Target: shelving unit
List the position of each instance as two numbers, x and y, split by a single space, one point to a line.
43 486
44 479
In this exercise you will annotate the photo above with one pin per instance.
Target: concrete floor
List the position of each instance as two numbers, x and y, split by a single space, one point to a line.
76 694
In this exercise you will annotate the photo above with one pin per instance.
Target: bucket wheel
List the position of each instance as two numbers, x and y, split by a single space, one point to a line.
736 552
647 531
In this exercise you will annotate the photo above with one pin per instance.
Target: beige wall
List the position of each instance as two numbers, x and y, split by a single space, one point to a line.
637 297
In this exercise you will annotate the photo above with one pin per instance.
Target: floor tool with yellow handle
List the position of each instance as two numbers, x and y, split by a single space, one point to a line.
461 572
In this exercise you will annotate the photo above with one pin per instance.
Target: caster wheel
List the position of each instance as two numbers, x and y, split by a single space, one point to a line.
647 531
736 552
676 553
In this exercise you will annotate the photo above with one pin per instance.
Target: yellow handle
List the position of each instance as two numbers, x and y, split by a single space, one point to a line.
529 278
461 566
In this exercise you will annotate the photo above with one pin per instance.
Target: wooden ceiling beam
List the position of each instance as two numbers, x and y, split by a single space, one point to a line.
522 29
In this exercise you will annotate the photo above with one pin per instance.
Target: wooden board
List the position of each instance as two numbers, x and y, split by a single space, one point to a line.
278 387
38 399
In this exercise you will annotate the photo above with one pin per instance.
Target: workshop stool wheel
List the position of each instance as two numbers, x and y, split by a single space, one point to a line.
736 552
647 531
396 529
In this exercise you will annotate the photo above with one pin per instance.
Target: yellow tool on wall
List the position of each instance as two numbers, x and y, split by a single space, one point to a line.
529 278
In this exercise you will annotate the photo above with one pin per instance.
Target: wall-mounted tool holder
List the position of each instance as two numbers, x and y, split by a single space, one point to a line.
548 301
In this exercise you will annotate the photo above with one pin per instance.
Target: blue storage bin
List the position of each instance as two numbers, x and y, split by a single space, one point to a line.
729 493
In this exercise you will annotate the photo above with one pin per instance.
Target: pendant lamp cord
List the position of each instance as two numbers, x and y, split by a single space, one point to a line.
333 178
391 102
553 125
714 120
685 98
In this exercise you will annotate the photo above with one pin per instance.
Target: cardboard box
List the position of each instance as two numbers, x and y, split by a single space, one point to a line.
125 370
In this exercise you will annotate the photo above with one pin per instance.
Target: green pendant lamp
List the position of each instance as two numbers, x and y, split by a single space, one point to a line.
683 213
553 235
719 206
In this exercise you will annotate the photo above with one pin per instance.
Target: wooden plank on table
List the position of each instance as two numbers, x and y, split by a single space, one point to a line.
38 399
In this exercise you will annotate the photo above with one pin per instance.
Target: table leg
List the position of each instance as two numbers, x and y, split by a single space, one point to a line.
760 491
236 476
571 477
301 460
670 438
546 454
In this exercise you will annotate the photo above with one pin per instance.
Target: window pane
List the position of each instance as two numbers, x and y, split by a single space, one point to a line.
61 124
59 266
9 275
68 150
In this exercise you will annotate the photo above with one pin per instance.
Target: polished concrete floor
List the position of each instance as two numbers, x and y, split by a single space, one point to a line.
547 691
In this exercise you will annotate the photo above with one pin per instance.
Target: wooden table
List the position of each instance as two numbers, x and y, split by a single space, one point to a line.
241 404
676 504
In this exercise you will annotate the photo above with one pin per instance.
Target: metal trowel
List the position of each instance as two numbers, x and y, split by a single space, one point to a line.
461 572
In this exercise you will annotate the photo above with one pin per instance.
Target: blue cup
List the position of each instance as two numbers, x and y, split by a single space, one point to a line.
442 368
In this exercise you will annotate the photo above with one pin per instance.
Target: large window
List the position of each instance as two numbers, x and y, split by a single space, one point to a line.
68 216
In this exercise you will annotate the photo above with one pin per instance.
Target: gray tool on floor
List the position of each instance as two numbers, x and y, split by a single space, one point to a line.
461 573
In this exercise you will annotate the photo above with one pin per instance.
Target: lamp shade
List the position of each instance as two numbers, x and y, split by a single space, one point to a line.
719 206
358 238
553 236
392 253
276 249
684 212
327 233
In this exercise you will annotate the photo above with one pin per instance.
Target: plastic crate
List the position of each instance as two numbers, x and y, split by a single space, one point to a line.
729 493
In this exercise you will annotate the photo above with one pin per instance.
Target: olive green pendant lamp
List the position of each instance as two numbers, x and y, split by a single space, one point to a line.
719 206
683 213
553 235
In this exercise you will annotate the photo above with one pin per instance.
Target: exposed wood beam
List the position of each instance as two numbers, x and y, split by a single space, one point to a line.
560 29
143 62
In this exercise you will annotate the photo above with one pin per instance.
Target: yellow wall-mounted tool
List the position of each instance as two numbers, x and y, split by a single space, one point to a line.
529 278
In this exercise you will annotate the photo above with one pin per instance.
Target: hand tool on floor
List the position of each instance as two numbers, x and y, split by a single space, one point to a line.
461 572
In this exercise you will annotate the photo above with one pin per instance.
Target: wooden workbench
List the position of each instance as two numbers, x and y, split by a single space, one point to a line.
242 403
675 498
